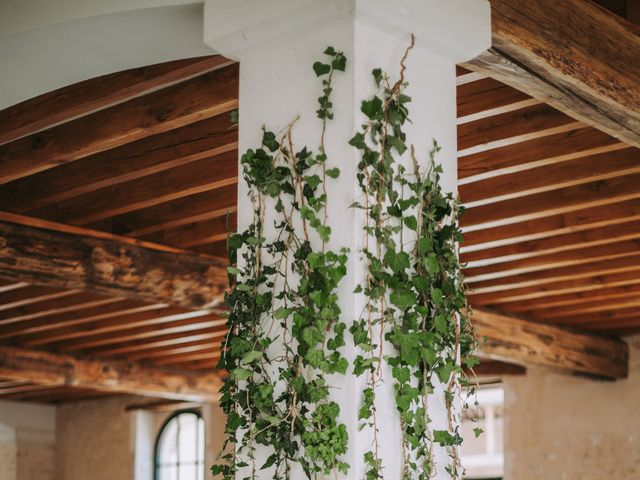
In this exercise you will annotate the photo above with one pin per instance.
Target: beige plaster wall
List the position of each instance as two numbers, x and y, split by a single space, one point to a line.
27 441
95 440
560 427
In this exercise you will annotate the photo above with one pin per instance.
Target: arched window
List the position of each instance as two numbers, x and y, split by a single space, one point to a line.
180 448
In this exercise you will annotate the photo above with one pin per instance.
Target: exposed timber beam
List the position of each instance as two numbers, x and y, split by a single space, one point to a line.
206 96
496 368
513 339
546 49
55 370
98 93
61 256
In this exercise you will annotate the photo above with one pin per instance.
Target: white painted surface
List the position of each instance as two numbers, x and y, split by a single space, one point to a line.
61 54
276 42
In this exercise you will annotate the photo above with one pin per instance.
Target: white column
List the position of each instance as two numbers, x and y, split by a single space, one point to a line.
276 42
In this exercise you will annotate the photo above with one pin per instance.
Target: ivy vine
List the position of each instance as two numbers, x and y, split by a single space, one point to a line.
285 333
415 291
284 327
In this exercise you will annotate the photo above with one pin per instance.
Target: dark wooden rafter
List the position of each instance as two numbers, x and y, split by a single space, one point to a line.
83 98
594 82
112 376
195 99
514 339
55 255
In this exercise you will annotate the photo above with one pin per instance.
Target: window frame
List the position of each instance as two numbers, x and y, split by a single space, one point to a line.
161 431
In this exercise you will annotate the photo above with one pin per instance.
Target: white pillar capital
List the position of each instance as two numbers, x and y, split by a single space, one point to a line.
455 29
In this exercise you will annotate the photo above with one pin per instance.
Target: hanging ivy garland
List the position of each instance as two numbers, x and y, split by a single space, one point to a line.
284 326
285 335
415 293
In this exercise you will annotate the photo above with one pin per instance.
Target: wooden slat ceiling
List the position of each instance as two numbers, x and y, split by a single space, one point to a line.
551 231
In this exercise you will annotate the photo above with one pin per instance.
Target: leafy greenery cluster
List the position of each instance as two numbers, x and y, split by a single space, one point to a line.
285 332
415 293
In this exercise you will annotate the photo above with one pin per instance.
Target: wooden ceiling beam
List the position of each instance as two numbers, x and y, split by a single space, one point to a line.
513 339
29 328
106 375
198 233
72 303
83 98
206 96
547 227
594 82
593 306
512 127
194 344
549 261
552 177
488 97
586 270
113 323
596 318
564 200
29 295
595 282
548 150
177 213
573 299
200 176
170 331
142 347
496 368
151 155
61 256
553 244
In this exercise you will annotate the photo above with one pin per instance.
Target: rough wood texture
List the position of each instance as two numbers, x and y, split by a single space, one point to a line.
108 376
187 102
49 254
496 368
516 340
573 55
98 93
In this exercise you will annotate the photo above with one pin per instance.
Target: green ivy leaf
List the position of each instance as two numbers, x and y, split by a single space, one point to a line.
242 374
251 357
321 68
333 172
372 108
411 222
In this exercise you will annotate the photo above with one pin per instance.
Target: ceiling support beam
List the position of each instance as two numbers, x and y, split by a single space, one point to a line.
515 340
61 256
595 82
55 370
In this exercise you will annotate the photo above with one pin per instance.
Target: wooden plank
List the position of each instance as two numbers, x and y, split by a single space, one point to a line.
198 233
594 82
200 176
509 128
187 102
610 317
148 156
592 283
114 323
568 199
193 344
169 331
71 303
553 244
133 349
573 299
106 375
541 277
594 306
488 97
560 224
29 295
43 323
514 339
80 99
560 147
62 256
177 213
549 261
551 177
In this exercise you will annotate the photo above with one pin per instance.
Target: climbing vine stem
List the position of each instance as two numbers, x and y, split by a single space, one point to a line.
285 332
416 318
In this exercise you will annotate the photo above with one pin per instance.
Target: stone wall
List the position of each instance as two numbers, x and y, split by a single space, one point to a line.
27 441
571 428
